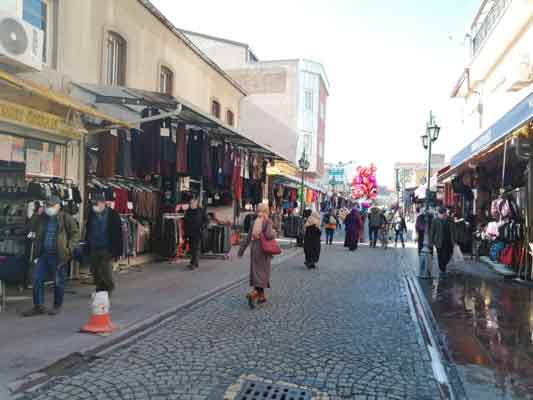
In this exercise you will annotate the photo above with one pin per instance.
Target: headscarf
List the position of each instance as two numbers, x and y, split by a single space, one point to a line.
314 219
262 214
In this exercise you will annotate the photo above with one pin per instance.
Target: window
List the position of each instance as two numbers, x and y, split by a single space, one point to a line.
230 118
116 60
166 78
322 111
215 108
36 12
308 100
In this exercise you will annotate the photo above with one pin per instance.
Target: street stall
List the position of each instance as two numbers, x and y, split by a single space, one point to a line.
41 140
489 186
175 152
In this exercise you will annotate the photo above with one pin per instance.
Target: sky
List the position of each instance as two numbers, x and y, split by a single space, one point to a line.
388 62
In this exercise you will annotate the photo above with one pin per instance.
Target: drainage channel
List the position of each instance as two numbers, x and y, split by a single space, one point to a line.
255 390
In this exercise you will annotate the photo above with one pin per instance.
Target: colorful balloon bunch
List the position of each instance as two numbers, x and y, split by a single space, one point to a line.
365 184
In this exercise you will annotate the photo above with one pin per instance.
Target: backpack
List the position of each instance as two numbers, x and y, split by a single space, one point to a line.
398 226
332 220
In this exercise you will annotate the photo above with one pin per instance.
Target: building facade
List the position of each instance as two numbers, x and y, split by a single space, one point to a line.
294 91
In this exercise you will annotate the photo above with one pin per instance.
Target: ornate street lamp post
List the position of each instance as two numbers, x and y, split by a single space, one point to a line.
431 136
303 163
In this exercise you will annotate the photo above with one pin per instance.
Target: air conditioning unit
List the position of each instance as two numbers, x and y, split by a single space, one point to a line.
21 44
521 74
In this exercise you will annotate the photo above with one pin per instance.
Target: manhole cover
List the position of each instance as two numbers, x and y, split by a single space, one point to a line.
252 390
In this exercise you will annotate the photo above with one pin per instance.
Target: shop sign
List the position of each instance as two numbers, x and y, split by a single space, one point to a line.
518 116
336 175
281 168
34 119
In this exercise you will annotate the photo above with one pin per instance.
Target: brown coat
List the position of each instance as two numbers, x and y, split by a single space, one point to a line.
260 263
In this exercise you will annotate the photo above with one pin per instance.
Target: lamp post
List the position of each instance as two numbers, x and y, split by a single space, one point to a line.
303 163
431 136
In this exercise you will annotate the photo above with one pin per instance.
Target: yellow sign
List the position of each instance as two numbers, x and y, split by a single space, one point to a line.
34 119
283 168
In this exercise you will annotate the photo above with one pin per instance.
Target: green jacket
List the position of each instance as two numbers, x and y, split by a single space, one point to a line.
68 235
437 232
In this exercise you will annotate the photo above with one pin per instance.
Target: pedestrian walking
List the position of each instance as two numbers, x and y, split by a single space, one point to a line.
312 240
55 234
330 223
443 238
104 242
352 224
400 227
260 262
375 221
194 223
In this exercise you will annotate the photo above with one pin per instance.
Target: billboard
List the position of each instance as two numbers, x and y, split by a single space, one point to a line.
336 174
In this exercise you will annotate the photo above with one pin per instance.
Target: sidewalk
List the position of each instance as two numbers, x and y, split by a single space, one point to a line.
487 323
30 344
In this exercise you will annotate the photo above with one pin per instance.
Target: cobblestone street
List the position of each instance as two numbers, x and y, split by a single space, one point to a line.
342 331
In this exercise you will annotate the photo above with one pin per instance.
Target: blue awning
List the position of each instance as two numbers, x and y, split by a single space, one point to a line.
518 116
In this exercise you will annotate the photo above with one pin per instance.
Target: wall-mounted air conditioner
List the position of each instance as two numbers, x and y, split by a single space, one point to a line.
21 44
521 73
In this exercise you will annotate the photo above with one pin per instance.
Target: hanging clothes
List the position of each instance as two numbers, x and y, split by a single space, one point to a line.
168 143
181 150
207 171
150 144
194 153
136 151
237 179
107 155
124 156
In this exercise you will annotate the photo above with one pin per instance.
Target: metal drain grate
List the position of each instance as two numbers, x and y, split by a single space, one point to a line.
252 390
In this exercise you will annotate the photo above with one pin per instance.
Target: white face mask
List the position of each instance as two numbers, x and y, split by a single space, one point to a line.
52 211
98 209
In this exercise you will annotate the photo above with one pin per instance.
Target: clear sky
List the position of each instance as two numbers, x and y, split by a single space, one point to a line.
389 62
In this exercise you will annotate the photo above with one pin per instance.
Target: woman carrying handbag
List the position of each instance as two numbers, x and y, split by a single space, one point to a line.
262 241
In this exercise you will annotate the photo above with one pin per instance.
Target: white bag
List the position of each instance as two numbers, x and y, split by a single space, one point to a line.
100 303
457 256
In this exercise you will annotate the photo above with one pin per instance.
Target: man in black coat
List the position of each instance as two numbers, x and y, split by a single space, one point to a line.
194 223
104 238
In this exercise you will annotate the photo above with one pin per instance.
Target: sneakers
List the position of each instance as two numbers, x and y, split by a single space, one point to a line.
55 311
36 310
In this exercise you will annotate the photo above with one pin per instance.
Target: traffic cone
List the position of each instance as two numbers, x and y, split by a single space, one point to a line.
99 322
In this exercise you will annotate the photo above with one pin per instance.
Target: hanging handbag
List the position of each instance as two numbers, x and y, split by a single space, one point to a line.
270 247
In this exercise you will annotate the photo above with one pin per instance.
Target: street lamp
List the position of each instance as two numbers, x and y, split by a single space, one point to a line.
431 136
303 163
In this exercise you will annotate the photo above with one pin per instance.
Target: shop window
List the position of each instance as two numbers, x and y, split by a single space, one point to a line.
115 60
166 80
215 109
308 100
37 13
230 118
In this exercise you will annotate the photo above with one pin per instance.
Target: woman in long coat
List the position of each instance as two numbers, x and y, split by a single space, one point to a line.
312 240
260 262
353 224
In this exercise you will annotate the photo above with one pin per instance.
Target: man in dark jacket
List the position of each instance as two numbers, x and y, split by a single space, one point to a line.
54 234
194 222
104 239
442 236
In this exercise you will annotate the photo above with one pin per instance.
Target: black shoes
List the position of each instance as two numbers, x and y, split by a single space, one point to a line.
36 310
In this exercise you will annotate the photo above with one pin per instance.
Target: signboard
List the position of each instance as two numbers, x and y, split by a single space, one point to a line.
336 175
519 115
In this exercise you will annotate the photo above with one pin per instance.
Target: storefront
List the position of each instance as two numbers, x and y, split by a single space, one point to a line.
175 152
489 189
41 142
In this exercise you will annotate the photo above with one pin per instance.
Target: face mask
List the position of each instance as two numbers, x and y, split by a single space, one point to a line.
51 211
98 209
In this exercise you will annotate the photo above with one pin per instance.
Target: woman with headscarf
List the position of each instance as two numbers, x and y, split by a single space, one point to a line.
352 224
312 240
260 262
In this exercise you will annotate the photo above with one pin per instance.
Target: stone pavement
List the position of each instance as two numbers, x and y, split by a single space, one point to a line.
29 344
342 331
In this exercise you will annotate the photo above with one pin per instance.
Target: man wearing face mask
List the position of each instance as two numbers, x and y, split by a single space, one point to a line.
104 238
55 235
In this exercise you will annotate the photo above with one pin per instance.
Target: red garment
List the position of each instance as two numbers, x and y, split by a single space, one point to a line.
121 201
236 180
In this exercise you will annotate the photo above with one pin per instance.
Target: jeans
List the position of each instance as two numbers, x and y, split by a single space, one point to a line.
399 234
329 235
48 264
373 235
101 263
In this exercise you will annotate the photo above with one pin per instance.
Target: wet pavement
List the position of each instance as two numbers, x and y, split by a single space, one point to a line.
488 326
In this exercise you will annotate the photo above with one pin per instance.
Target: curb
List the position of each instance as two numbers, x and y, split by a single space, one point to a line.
34 380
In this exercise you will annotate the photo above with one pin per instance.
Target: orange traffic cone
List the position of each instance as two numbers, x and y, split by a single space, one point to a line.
99 322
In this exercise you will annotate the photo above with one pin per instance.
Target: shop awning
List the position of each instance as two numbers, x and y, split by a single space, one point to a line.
515 118
31 94
295 183
128 103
